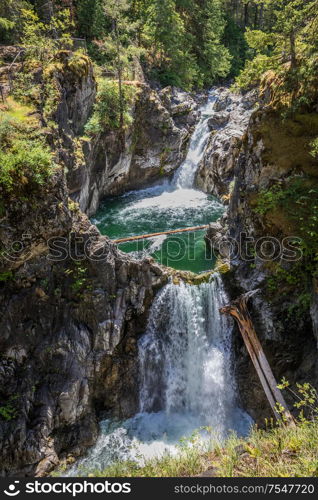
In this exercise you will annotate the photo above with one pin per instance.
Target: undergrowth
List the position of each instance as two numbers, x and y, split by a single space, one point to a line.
26 161
277 451
106 113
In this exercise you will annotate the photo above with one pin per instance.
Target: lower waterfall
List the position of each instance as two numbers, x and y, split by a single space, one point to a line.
186 379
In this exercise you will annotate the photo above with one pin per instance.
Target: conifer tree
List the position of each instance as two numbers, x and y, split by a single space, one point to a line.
116 44
170 53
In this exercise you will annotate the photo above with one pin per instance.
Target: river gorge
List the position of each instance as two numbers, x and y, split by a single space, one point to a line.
120 357
185 360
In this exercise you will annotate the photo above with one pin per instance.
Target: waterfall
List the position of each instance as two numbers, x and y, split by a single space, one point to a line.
184 176
186 379
186 357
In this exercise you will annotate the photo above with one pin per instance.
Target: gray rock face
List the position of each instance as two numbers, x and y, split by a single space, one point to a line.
71 314
69 328
218 120
77 92
289 339
155 145
228 126
314 313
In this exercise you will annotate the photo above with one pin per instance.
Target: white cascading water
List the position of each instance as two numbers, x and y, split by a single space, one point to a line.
185 358
186 379
185 355
184 177
179 194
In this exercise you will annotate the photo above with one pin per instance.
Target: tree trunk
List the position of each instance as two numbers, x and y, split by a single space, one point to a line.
120 86
238 309
293 58
261 16
246 14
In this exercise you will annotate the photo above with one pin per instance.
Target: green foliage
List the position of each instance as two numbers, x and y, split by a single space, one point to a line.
253 71
180 41
6 276
25 89
314 148
185 42
44 96
269 199
287 45
234 40
171 59
10 20
297 201
282 277
6 24
283 281
91 21
213 58
106 113
298 198
9 411
25 160
188 43
37 35
305 400
80 281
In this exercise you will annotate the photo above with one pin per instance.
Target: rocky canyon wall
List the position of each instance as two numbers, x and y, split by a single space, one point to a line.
284 312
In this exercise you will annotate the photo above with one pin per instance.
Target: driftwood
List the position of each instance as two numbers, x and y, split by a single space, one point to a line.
238 309
152 235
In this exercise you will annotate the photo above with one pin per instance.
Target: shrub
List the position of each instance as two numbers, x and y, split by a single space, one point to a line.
9 411
25 89
253 72
314 148
6 131
298 199
106 113
25 160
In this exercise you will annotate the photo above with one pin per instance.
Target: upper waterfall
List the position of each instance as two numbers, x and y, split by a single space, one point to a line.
171 204
184 176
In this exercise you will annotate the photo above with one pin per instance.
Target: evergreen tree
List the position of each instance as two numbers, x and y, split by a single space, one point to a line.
291 17
116 42
10 19
213 57
289 47
170 53
91 19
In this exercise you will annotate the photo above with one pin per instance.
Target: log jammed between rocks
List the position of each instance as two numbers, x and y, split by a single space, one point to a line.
238 309
152 235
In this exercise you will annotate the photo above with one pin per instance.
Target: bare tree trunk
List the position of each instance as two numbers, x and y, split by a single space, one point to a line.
238 309
292 39
246 14
120 85
256 17
261 16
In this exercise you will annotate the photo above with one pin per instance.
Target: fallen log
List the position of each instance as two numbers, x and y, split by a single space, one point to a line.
152 235
238 310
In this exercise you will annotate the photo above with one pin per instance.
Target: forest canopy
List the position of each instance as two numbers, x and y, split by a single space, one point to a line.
187 43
